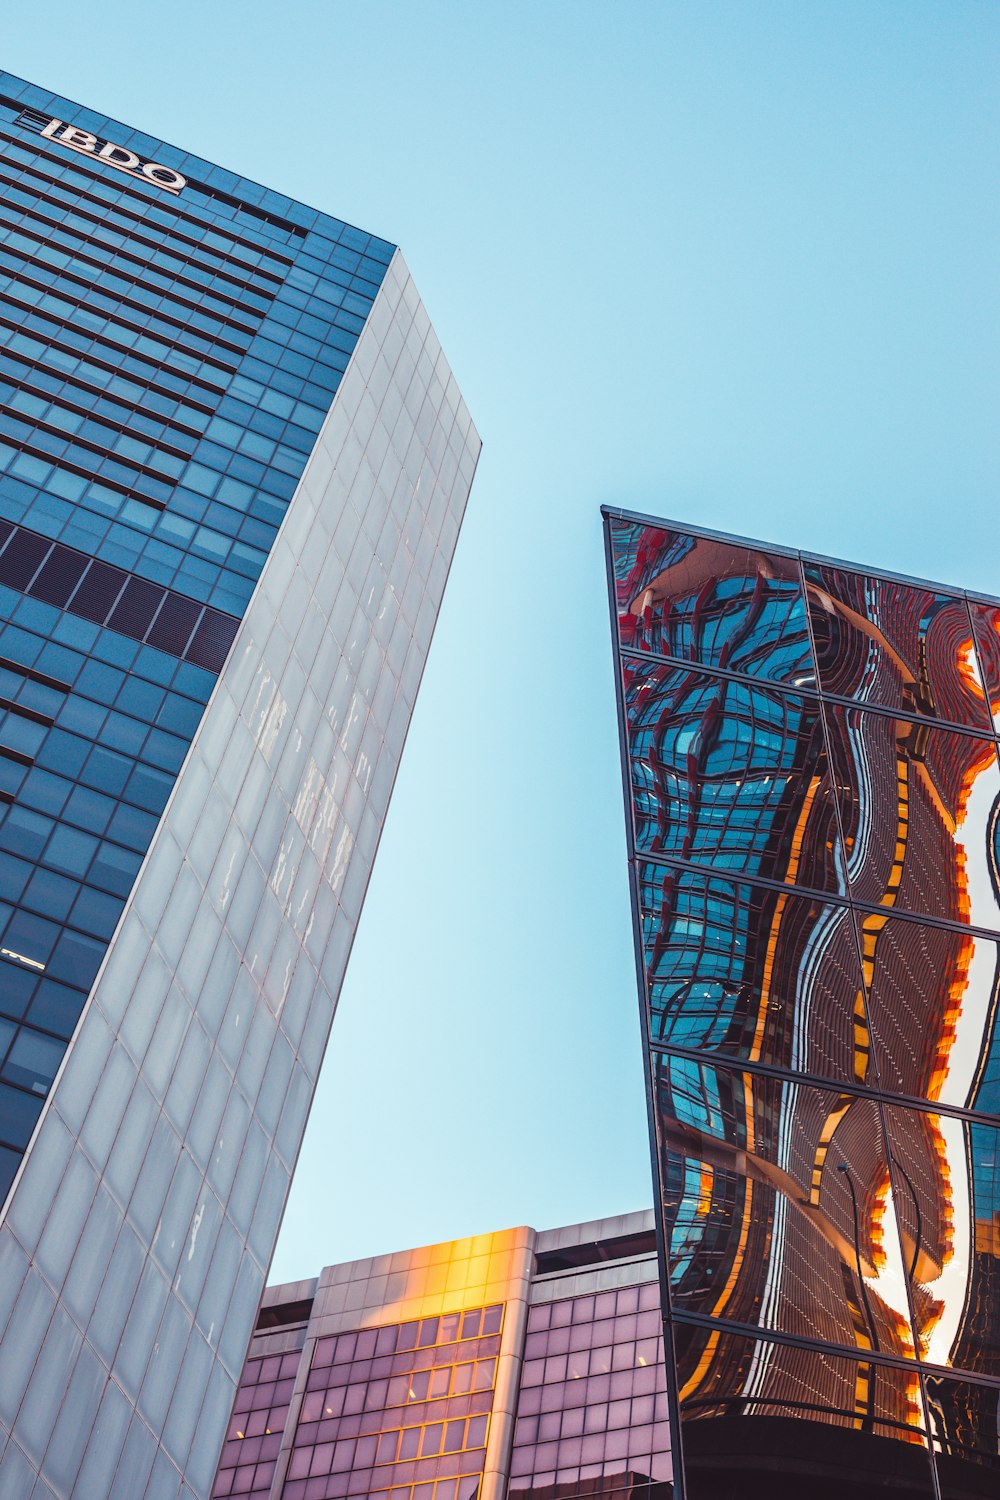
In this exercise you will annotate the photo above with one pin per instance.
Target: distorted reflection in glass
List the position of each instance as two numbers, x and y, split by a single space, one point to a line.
816 1415
818 891
946 1187
918 809
902 645
752 973
964 1429
776 1197
932 1000
711 602
986 633
729 774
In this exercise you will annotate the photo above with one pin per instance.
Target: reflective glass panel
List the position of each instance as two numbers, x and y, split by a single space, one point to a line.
777 1205
709 601
400 1404
918 809
897 644
752 973
965 1436
255 1429
729 774
986 632
592 1400
759 1418
946 1187
932 997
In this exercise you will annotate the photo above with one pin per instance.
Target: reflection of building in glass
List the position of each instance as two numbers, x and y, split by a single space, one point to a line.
520 1363
233 466
813 821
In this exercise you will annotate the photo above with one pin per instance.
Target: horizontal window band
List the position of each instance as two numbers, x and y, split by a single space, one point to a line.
114 320
94 248
91 444
28 144
113 598
63 281
88 257
850 1352
17 756
814 695
85 472
8 705
810 893
85 206
7 798
31 673
81 383
784 1406
724 1063
123 351
11 299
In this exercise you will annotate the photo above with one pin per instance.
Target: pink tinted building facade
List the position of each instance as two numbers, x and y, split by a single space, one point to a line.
592 1406
517 1363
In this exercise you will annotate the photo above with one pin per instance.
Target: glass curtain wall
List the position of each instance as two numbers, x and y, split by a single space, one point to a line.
813 802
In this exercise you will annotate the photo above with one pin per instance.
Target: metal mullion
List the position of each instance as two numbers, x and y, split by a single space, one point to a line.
739 877
750 544
727 1063
31 674
11 706
841 1351
787 690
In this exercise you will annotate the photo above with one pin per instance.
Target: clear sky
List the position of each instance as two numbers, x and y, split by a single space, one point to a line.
729 261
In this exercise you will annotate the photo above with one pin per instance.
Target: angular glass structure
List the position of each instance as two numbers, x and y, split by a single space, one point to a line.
233 467
813 803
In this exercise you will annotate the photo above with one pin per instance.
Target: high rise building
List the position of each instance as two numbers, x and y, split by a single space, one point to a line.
813 799
518 1364
233 466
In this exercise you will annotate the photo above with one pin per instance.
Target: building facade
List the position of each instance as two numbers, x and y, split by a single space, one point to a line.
233 466
813 812
517 1364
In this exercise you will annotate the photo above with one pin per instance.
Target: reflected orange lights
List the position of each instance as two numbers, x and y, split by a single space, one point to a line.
940 1149
705 1189
952 1011
967 668
929 1320
914 1413
880 1204
972 772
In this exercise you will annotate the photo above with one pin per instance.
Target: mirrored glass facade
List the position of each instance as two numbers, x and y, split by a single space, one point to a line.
813 797
233 467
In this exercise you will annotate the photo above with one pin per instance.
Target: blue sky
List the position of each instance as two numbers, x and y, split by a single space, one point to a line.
724 261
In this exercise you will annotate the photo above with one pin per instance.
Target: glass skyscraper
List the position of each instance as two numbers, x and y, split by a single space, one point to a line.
233 466
813 794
